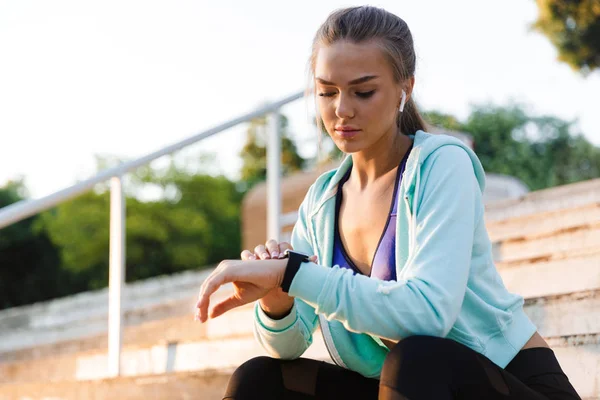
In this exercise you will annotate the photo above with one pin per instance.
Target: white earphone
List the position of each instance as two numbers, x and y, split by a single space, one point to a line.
403 100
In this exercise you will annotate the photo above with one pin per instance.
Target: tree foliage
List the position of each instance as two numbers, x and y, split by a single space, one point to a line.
542 151
30 267
573 27
195 226
254 152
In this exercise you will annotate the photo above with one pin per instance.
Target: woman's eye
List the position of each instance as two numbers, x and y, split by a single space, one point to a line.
365 95
327 94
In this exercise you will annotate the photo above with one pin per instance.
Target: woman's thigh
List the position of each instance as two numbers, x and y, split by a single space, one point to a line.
302 379
423 367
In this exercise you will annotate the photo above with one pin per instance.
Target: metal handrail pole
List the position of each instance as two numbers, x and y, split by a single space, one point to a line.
274 177
116 275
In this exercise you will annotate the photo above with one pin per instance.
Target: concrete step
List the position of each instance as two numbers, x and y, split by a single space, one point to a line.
41 330
578 357
221 353
228 340
584 239
544 223
198 385
559 275
86 314
566 315
530 279
548 200
39 362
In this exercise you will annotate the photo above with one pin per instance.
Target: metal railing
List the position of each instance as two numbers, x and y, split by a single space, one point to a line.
26 208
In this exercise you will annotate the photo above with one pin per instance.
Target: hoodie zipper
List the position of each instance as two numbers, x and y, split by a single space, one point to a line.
333 353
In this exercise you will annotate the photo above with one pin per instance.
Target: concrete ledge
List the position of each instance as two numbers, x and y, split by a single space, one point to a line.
553 199
552 277
86 314
582 366
581 363
566 315
228 341
26 364
531 280
579 240
223 354
207 385
544 224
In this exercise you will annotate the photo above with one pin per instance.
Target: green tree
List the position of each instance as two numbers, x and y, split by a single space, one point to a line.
30 263
194 223
254 152
442 120
541 151
573 27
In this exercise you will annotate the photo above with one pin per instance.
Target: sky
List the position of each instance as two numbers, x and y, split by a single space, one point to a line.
81 78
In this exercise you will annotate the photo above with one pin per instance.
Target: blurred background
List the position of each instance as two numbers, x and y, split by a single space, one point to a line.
88 85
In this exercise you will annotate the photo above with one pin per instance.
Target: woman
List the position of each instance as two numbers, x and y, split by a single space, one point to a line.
413 307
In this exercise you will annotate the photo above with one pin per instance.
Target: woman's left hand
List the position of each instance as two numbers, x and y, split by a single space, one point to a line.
251 281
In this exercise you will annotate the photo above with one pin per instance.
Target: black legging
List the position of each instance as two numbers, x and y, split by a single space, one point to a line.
418 367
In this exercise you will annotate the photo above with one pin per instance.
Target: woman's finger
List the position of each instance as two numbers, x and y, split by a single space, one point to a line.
212 273
226 305
273 248
248 255
207 280
261 252
212 284
283 246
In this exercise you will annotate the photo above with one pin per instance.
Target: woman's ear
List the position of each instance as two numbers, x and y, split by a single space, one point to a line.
407 89
410 84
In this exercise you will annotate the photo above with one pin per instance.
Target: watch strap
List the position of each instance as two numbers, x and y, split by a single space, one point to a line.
295 259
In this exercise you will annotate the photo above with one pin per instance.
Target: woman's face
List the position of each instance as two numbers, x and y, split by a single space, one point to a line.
356 93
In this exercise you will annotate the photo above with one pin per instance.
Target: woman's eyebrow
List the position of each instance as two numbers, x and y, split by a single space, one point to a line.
352 82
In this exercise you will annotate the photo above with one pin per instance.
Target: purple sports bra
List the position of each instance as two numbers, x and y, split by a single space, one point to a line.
383 265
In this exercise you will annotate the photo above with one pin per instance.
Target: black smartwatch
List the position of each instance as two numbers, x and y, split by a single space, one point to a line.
293 265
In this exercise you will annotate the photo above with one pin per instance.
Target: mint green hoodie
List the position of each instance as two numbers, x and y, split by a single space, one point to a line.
447 285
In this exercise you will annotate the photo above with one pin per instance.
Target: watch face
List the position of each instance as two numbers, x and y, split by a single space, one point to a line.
288 253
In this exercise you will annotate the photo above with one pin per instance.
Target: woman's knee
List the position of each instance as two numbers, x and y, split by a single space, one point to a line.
253 376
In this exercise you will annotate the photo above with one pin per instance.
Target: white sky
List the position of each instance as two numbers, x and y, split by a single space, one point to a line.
126 77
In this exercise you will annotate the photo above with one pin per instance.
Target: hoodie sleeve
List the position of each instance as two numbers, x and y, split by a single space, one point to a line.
289 337
429 294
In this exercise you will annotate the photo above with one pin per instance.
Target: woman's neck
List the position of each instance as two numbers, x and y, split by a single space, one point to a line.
378 160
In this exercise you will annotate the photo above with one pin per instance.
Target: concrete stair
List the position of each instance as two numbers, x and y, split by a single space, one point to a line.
546 249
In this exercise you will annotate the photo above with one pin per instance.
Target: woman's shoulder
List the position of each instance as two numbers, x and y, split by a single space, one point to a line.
441 154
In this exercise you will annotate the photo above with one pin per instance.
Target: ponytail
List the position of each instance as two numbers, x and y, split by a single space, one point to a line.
410 120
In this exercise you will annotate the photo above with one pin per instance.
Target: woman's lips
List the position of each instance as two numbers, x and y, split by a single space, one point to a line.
347 133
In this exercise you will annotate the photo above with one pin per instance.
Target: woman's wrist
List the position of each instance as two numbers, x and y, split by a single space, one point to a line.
276 304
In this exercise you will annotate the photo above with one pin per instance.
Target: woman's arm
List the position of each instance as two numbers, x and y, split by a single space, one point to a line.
429 293
289 337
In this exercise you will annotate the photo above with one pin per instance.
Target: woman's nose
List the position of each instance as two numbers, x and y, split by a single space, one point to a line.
344 108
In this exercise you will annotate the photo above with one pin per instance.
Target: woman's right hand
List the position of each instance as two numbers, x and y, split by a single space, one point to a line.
269 250
276 304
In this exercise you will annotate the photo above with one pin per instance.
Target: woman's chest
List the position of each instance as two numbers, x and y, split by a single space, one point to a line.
362 223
